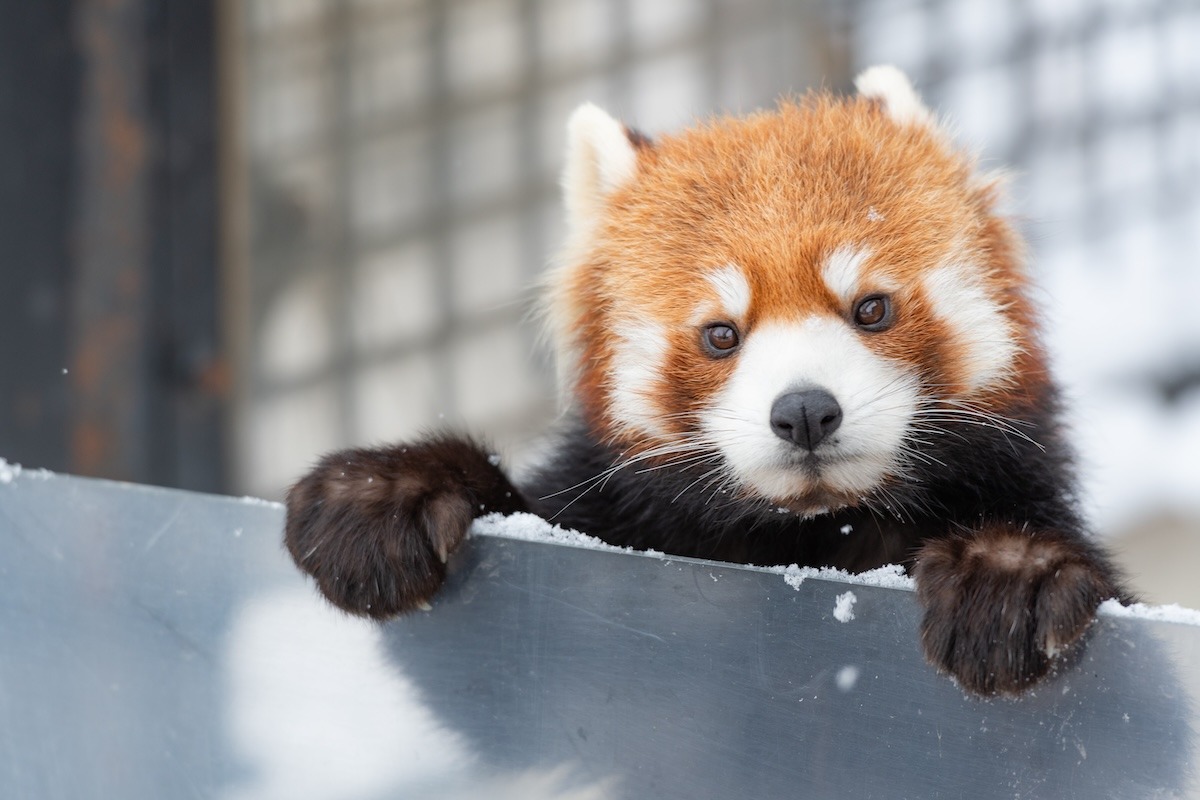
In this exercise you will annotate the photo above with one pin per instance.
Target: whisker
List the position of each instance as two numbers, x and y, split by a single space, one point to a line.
693 483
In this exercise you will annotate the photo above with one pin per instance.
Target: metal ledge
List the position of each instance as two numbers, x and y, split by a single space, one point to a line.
159 644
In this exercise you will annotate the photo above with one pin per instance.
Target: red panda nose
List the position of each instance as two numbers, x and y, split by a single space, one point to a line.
805 418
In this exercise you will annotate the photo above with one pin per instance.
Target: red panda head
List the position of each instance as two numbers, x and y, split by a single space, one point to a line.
791 293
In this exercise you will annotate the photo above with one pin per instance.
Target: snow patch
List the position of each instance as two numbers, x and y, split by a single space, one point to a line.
1167 613
847 677
532 528
258 501
889 576
10 471
843 608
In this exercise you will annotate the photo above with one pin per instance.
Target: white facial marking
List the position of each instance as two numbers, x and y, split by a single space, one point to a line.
637 370
961 300
878 398
843 271
733 290
892 88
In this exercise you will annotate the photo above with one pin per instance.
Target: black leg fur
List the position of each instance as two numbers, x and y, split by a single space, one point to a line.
375 527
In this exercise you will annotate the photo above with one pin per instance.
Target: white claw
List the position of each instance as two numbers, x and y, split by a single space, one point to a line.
443 554
424 605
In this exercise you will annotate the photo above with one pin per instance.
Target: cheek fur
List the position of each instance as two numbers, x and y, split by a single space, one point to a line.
636 370
657 374
919 341
980 333
691 379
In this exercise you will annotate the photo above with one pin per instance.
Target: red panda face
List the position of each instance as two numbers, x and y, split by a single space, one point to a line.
811 416
786 298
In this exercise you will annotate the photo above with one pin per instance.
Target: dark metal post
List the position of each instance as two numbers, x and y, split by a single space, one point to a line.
110 363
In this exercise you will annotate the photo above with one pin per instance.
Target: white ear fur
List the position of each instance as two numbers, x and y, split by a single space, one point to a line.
893 89
600 159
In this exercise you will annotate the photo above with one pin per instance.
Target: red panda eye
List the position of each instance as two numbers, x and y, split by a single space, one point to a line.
720 339
873 313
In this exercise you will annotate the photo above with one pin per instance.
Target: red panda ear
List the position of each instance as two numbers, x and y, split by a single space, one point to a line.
601 157
895 94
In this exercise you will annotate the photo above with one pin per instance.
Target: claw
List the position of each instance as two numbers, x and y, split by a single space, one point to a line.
424 606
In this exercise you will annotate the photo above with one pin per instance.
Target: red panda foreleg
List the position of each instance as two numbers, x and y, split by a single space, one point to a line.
1003 604
375 527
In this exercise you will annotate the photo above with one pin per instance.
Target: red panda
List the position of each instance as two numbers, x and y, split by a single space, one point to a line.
773 329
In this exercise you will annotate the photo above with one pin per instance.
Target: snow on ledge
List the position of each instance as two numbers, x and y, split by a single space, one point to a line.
532 528
250 500
1168 613
889 576
9 472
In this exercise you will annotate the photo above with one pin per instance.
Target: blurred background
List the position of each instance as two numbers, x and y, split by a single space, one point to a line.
236 234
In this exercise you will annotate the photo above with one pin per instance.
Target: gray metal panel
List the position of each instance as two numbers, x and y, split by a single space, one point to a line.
157 644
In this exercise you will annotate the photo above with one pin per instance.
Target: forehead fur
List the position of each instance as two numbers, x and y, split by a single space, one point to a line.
777 193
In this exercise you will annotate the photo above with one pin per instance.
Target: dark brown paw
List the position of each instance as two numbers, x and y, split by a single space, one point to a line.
1002 606
375 527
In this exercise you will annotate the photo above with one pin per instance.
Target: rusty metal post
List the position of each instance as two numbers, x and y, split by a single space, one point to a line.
110 359
110 295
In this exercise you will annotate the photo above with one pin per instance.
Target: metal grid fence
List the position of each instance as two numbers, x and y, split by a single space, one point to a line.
403 160
1096 105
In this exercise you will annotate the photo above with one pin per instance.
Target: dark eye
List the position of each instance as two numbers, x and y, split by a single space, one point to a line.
720 339
873 313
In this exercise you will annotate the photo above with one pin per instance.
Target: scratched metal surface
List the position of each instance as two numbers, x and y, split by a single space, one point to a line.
157 644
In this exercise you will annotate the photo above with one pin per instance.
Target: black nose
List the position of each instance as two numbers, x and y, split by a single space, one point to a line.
806 417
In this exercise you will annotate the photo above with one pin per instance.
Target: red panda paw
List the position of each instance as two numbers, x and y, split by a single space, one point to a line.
375 528
1003 606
